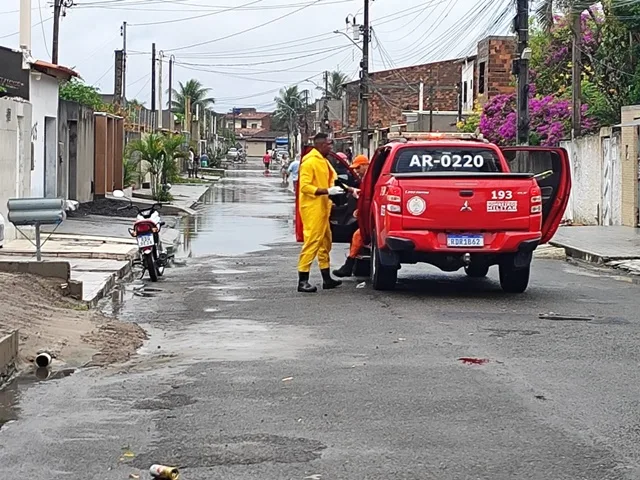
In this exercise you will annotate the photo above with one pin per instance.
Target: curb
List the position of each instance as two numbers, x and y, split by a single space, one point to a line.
591 257
199 200
111 282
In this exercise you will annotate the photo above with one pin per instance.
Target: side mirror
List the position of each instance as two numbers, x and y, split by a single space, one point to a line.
118 193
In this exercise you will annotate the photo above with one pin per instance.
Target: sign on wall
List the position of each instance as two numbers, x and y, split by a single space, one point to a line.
13 79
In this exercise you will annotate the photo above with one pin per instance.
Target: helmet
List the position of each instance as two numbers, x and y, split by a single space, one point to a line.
343 156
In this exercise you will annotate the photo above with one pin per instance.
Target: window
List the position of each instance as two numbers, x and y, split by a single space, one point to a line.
343 172
243 124
445 159
229 124
481 77
465 97
254 125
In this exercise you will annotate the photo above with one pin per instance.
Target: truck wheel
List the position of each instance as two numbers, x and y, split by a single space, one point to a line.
514 280
382 276
362 268
476 270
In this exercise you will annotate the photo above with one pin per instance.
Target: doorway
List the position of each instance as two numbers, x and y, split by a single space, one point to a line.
50 157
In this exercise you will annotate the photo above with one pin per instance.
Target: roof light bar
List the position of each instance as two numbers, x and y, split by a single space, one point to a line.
419 136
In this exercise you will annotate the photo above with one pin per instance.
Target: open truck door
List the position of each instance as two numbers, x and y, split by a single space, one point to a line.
552 171
343 223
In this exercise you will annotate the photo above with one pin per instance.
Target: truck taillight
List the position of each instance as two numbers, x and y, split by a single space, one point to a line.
394 198
536 201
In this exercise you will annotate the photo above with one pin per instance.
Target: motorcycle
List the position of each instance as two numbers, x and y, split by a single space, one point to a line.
146 231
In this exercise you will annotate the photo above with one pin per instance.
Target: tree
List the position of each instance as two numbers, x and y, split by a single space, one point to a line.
197 93
335 85
289 106
77 91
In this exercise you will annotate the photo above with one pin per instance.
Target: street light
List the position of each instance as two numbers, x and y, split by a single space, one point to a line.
348 38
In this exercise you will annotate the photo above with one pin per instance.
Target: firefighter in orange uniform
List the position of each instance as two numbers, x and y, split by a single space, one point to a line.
360 165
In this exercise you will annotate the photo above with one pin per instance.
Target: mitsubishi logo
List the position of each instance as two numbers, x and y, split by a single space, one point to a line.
465 207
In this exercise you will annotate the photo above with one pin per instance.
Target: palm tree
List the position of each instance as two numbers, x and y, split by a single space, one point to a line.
289 106
335 85
198 95
149 149
544 12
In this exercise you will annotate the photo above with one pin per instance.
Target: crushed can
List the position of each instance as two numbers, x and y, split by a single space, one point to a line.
163 472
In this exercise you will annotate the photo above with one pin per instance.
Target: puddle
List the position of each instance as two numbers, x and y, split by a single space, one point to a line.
231 340
211 310
228 272
234 298
227 287
11 394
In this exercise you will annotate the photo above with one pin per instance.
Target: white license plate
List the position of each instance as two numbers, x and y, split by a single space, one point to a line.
465 241
145 241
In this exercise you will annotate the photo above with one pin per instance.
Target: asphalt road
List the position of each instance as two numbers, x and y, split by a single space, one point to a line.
245 379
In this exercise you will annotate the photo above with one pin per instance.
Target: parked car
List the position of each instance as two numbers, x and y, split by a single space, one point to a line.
232 153
455 201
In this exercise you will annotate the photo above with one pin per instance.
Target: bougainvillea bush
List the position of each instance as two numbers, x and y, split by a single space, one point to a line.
550 119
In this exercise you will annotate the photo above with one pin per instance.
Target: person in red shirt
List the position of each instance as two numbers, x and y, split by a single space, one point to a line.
266 159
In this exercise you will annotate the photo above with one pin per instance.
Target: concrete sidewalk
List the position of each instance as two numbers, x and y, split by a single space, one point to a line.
185 196
96 262
612 246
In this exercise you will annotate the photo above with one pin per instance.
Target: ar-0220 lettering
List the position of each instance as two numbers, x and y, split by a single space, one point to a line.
447 161
501 195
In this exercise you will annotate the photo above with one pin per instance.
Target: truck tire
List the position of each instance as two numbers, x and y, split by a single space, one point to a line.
382 276
514 280
476 270
362 268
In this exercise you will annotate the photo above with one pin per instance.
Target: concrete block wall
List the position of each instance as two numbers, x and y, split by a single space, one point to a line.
629 166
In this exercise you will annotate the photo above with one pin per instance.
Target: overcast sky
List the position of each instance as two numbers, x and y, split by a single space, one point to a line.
268 44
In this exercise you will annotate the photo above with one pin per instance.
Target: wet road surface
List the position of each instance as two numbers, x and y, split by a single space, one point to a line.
244 379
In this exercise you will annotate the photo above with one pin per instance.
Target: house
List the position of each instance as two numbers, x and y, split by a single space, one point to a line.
256 143
247 119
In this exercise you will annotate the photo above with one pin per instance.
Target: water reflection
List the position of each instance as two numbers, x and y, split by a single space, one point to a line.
243 212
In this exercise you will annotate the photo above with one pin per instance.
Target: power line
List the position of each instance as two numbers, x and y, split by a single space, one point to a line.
208 42
44 36
191 18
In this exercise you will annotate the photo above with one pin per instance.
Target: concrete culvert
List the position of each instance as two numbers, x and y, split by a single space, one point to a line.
43 359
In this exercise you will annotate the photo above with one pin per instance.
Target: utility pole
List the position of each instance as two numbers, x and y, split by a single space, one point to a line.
161 56
576 77
431 108
171 59
59 7
364 82
459 88
521 69
153 77
123 33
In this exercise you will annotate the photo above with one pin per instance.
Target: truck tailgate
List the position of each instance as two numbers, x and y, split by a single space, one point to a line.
481 202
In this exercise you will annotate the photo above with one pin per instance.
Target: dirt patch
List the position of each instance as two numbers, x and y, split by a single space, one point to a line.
49 321
107 207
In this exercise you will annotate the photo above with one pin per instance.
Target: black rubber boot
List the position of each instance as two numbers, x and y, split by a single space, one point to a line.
303 283
327 282
345 270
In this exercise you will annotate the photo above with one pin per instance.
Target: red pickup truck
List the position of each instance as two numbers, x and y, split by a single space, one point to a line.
456 201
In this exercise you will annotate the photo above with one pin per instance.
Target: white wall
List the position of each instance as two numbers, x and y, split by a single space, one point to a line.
468 77
44 98
585 155
15 155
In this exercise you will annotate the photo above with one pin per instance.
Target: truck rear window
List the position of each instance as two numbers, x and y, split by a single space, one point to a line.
445 159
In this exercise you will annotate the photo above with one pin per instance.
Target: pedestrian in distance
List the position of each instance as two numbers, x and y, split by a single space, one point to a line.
284 169
196 165
317 177
266 160
292 172
190 162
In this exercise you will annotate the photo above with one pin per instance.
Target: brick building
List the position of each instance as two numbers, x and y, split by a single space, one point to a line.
394 93
493 68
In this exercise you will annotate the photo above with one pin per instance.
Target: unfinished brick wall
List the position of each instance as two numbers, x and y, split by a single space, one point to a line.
395 91
493 68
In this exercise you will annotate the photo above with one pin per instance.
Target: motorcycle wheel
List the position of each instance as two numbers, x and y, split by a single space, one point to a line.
150 265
